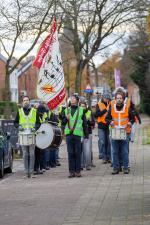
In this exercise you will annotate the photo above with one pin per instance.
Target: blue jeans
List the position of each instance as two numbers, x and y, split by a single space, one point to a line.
74 153
120 147
28 158
104 144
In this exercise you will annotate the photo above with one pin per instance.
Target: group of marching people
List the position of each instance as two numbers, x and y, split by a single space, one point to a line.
77 121
111 115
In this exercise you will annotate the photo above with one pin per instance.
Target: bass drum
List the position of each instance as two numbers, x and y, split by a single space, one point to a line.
48 136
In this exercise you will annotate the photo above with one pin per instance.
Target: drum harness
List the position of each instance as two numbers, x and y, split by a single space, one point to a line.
72 128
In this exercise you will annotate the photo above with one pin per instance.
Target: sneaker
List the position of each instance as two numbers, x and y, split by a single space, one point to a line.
35 172
104 162
88 168
53 165
33 176
40 172
125 171
92 165
115 171
47 168
78 174
120 169
71 175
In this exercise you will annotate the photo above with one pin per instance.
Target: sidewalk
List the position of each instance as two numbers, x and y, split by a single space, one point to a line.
98 198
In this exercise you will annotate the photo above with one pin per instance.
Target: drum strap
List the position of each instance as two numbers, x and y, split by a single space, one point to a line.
72 128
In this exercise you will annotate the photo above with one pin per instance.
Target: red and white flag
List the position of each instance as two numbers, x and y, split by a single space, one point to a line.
51 84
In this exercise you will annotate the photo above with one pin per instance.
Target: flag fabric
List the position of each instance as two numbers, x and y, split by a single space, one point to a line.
51 84
117 78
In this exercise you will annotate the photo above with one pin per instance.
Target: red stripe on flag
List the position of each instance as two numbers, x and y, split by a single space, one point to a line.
57 100
45 46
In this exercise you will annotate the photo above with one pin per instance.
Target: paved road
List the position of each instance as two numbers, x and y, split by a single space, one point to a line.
98 198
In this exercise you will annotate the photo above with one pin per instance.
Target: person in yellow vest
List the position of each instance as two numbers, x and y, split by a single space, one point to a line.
27 117
103 128
40 154
75 123
120 116
87 156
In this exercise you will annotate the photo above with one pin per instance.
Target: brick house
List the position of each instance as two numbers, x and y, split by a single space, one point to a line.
27 80
22 81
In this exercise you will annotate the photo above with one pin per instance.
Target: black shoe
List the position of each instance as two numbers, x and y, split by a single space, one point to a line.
53 165
125 171
108 161
115 171
40 172
88 168
120 169
71 175
47 168
78 174
92 165
35 172
58 164
104 162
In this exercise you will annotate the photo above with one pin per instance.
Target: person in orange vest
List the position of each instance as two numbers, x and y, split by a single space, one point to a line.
103 128
120 116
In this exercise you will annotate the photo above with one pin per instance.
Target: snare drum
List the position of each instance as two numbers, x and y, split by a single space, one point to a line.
26 138
48 136
118 134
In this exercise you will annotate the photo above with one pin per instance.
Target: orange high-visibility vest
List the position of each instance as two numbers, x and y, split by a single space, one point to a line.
102 119
120 118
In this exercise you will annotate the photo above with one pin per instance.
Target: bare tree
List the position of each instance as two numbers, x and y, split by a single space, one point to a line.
22 21
95 25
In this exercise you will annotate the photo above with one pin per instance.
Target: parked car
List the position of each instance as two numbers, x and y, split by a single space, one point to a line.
6 154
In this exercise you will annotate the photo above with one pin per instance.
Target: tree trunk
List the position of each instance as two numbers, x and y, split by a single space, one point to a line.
7 95
80 67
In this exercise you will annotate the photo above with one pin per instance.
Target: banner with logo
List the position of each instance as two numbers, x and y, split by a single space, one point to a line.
51 84
117 75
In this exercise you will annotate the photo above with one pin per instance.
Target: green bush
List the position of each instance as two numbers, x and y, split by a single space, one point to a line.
13 107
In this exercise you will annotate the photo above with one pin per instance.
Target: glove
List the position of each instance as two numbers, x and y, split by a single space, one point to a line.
33 130
85 139
112 124
21 128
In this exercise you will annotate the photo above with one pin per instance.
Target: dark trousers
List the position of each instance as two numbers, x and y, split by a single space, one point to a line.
38 159
52 156
74 153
